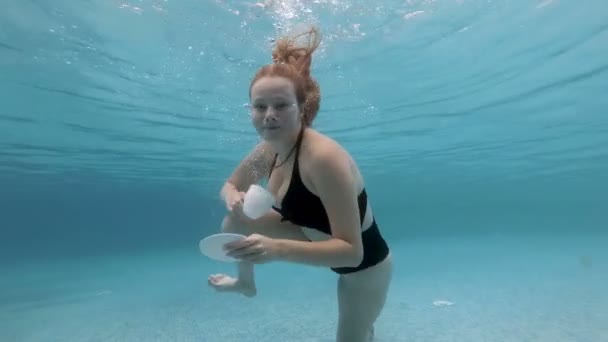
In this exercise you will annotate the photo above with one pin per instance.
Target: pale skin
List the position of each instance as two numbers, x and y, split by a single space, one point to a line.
329 172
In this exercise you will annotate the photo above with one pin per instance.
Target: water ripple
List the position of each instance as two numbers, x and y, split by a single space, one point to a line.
10 47
480 89
596 72
17 119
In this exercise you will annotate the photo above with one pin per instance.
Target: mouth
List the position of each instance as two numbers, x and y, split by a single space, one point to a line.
272 128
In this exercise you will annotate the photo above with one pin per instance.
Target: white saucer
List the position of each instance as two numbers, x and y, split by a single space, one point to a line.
213 246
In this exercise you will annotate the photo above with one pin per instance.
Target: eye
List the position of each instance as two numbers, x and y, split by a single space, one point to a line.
259 107
281 106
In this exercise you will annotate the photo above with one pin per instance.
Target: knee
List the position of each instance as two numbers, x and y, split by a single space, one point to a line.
231 224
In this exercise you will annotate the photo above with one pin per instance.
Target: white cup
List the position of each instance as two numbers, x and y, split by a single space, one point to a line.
257 201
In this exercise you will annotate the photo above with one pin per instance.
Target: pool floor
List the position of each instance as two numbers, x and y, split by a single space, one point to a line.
501 288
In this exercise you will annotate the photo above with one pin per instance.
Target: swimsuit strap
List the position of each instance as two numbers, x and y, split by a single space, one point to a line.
295 147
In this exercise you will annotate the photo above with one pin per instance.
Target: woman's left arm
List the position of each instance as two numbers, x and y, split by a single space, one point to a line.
334 183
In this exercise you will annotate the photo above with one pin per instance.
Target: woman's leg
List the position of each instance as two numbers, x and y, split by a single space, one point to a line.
361 298
269 225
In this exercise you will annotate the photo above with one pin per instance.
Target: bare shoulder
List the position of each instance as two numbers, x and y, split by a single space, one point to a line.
253 167
324 148
327 158
262 156
263 151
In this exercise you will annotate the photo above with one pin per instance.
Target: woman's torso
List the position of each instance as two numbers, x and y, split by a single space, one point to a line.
281 177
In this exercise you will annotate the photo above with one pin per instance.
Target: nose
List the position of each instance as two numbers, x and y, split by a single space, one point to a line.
271 114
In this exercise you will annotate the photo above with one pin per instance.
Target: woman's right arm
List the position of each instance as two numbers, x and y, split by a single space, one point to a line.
250 170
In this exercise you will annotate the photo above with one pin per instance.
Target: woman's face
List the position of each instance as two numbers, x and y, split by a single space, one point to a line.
274 108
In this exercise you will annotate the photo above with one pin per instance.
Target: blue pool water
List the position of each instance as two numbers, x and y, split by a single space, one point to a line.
481 129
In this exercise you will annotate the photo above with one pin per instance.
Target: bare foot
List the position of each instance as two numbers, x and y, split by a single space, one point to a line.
225 283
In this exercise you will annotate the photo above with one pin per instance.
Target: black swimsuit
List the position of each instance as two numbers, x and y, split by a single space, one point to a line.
305 209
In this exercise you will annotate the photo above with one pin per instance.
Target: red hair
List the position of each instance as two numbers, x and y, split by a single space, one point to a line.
293 63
